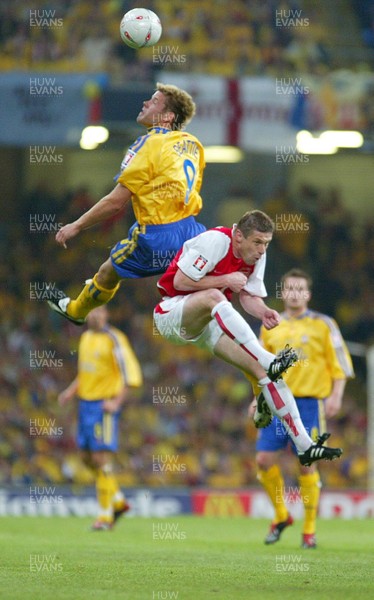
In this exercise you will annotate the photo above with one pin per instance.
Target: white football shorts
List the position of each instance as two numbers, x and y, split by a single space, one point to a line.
168 320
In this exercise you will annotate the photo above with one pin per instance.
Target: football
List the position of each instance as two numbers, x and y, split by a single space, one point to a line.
140 28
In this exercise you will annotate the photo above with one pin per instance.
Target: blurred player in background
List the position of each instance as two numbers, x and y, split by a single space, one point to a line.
196 309
107 368
317 381
162 175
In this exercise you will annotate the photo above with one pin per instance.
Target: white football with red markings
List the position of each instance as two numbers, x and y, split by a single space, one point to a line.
140 28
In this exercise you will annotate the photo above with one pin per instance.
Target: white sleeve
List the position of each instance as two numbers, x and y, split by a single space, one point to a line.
255 283
201 254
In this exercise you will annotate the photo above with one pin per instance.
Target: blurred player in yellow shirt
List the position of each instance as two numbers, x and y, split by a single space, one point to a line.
161 175
107 368
317 381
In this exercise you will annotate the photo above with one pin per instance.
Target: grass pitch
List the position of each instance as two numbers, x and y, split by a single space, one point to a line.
183 558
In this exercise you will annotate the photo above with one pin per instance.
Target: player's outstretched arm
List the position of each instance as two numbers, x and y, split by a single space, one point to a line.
107 207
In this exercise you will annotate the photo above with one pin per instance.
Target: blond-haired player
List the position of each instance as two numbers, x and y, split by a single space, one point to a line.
161 174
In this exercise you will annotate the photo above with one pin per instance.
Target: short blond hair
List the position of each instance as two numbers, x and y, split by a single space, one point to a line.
178 102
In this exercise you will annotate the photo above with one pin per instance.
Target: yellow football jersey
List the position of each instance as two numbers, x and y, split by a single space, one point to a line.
323 354
163 170
106 363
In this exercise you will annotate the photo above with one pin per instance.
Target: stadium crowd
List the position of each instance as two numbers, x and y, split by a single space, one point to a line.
229 38
192 411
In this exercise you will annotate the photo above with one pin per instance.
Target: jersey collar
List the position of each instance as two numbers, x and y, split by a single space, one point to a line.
158 129
304 314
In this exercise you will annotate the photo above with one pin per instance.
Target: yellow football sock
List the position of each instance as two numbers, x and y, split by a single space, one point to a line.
273 483
92 296
118 500
253 381
310 486
105 489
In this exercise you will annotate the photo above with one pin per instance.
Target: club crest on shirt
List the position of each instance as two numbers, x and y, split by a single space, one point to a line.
200 263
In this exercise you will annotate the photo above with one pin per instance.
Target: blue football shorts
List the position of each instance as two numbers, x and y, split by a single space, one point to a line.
97 429
275 436
149 249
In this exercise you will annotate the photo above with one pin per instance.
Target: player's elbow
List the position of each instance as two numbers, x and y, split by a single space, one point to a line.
180 286
118 198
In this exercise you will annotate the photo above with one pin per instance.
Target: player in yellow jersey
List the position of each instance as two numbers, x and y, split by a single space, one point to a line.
317 381
107 368
161 175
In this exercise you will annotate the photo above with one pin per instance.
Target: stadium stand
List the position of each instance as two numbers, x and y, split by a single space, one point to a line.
187 402
205 401
233 38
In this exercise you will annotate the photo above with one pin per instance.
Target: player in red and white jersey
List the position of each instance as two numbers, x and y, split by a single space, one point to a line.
213 253
196 309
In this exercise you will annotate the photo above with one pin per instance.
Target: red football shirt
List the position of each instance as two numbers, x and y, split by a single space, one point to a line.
211 253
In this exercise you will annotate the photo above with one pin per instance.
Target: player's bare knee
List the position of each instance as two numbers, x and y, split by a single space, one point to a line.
264 461
106 275
99 459
214 296
87 460
308 470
